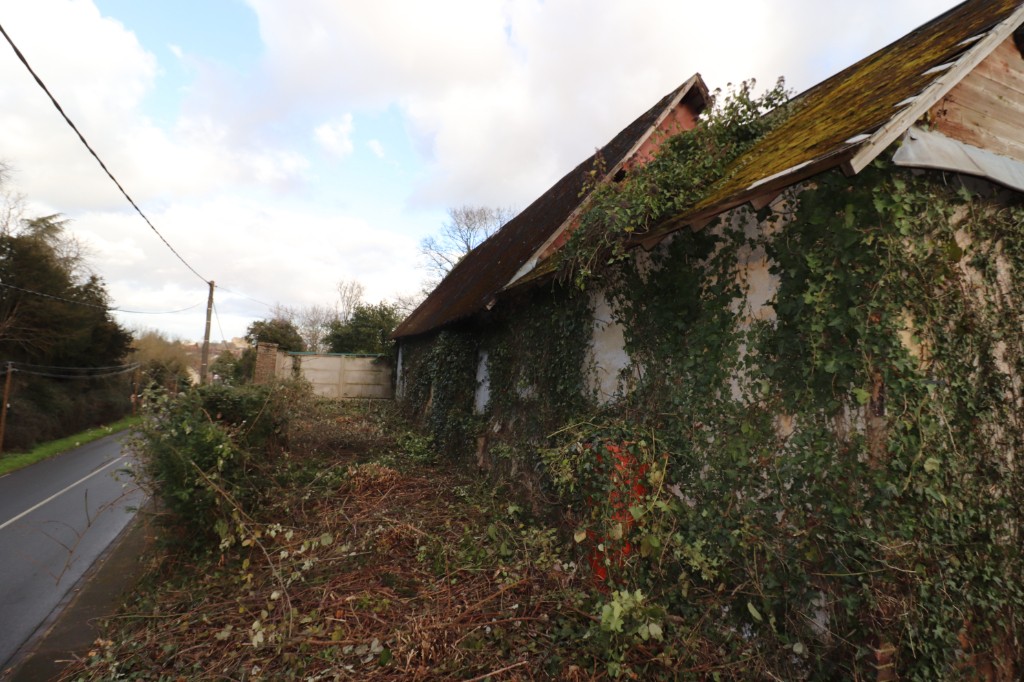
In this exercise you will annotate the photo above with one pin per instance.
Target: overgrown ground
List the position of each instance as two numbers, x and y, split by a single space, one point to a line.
366 559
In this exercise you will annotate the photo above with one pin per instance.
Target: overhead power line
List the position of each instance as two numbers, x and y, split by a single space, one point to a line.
99 307
56 368
219 326
238 293
95 155
62 372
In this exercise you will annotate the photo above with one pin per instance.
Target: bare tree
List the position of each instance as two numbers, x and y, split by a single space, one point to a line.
280 311
311 321
350 294
466 228
406 303
12 202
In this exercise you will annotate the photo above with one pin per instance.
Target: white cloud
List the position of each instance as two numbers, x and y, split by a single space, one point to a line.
101 75
505 96
254 249
336 136
501 97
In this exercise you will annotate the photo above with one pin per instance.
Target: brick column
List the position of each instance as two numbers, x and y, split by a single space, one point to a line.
266 364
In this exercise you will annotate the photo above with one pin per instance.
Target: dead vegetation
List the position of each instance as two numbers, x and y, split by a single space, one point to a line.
362 567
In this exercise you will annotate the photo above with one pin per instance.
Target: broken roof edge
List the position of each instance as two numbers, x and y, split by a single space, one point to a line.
857 153
695 85
869 149
423 320
931 149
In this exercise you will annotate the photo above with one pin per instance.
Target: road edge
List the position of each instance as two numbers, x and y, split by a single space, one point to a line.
70 631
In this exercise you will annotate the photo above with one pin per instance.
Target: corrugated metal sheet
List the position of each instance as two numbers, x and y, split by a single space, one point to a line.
928 149
474 282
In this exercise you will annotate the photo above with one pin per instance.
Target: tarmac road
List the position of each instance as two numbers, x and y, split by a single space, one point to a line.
56 518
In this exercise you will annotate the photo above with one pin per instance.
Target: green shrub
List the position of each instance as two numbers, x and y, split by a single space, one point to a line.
205 452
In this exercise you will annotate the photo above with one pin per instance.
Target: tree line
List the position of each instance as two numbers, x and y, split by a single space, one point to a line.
63 355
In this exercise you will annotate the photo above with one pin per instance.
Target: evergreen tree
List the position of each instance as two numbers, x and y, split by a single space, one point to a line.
366 331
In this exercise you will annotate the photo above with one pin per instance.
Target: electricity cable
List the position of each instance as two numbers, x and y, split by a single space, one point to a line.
89 369
219 326
19 367
236 293
99 307
94 154
50 375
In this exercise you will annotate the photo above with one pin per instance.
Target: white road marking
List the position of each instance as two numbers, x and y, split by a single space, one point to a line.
58 494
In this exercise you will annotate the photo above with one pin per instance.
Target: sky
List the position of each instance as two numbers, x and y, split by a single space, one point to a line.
284 147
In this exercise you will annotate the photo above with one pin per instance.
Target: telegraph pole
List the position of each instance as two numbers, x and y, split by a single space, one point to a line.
3 409
136 381
205 362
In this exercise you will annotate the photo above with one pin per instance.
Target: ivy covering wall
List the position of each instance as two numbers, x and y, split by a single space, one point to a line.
837 484
809 486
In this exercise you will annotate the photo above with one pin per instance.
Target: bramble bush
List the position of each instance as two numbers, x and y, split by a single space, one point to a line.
206 452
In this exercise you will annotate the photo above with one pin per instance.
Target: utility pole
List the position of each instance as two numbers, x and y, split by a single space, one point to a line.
136 380
3 409
205 362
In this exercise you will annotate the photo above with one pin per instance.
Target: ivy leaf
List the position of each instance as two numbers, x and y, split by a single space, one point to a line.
861 395
932 465
754 612
580 535
935 495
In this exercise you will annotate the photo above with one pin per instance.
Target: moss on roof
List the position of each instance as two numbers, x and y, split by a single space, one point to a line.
859 99
814 135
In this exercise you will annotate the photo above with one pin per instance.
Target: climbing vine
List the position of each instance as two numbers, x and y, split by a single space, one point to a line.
831 477
439 382
813 470
685 169
537 363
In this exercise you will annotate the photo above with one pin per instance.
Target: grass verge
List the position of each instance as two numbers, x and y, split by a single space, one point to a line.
14 461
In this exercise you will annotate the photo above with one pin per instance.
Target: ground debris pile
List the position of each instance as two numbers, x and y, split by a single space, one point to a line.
365 566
